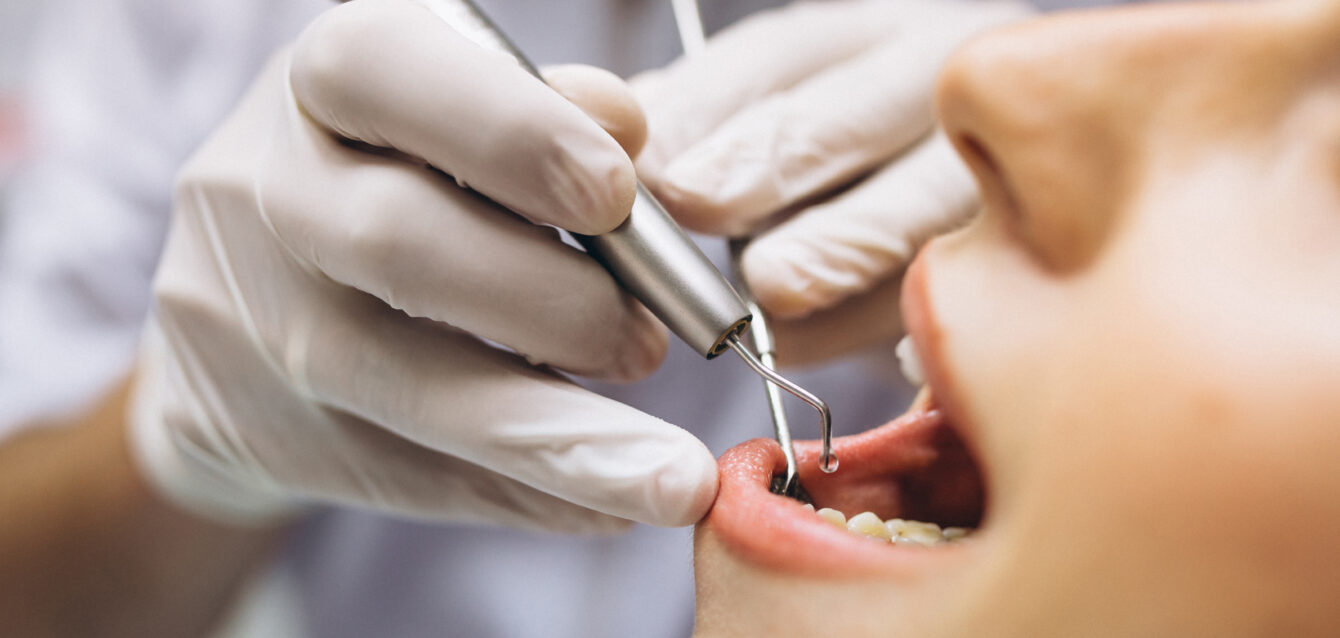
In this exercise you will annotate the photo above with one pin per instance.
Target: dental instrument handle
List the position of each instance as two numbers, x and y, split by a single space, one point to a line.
656 261
648 254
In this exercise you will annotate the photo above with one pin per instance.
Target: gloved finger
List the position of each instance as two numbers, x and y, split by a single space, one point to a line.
388 473
855 324
802 142
392 74
341 460
845 245
605 98
763 54
425 246
825 131
446 391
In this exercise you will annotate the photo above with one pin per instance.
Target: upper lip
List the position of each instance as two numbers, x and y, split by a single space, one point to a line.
924 328
928 336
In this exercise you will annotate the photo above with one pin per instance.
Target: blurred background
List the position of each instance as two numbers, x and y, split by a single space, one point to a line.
16 21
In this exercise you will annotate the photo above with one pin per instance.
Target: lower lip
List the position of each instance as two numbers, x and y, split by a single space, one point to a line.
778 533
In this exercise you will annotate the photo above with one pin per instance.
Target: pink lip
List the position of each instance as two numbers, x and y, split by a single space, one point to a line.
778 533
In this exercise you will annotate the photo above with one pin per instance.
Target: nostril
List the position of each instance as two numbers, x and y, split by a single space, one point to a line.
997 193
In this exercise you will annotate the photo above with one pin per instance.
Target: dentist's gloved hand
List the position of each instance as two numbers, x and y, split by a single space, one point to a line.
814 125
327 307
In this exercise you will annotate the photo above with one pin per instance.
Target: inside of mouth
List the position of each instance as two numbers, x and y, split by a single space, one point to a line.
917 484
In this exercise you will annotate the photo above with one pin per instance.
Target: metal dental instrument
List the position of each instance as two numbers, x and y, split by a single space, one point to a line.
651 257
760 337
690 24
693 39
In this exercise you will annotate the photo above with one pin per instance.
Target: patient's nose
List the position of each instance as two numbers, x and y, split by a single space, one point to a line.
1049 114
1064 118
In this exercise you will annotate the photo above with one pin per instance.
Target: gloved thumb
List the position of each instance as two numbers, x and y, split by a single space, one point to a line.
847 245
605 98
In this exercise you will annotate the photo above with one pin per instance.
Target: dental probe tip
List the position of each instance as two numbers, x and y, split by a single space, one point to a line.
827 461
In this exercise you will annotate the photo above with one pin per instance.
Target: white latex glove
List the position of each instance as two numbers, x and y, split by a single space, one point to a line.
324 296
824 110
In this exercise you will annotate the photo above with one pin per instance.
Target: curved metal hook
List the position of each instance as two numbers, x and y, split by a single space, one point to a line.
828 462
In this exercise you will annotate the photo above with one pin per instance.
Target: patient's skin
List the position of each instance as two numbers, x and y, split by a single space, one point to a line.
1139 342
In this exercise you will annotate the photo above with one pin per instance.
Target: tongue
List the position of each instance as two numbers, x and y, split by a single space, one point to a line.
915 467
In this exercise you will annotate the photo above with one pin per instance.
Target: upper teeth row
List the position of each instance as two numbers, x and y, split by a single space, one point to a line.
910 362
895 530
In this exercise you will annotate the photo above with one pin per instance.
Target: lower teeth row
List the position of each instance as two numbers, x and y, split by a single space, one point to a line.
895 530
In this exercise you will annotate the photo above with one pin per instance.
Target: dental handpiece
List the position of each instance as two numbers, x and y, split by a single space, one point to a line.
652 257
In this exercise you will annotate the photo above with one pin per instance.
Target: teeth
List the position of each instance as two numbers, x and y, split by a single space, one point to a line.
869 524
833 516
910 362
921 533
896 530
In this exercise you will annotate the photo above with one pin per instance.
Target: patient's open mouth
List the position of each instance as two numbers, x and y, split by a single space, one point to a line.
900 487
919 467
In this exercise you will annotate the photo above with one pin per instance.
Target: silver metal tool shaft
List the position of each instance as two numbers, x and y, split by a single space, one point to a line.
760 337
652 257
827 460
690 23
648 254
